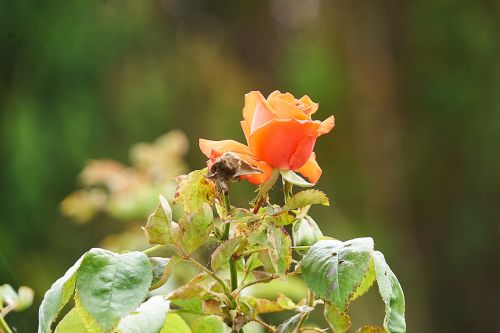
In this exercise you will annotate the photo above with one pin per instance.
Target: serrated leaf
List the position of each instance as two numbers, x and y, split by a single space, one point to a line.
56 297
196 228
366 283
194 190
264 188
294 179
392 294
335 269
371 329
175 324
291 325
148 318
210 324
71 323
110 285
338 321
306 198
280 250
223 253
158 228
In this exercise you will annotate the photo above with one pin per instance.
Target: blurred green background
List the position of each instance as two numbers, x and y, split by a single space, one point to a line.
414 160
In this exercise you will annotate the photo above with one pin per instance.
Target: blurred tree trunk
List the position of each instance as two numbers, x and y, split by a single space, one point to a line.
362 28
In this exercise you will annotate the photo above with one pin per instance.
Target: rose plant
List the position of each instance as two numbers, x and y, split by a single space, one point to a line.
126 292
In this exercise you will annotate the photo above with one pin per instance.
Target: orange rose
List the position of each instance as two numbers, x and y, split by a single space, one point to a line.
280 135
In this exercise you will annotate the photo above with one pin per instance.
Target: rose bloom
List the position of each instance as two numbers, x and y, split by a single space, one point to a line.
280 135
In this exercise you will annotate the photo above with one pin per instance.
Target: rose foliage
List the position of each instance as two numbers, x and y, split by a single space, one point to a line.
248 246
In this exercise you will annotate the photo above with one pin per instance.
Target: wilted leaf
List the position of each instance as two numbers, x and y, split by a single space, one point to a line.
196 228
162 269
111 285
56 297
280 250
306 198
294 179
148 318
338 321
187 291
392 295
223 253
334 269
194 190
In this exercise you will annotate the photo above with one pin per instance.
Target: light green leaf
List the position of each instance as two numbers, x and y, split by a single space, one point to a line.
392 294
210 324
71 323
366 283
161 269
338 321
56 297
159 226
175 324
306 198
223 253
148 318
371 329
194 190
280 250
196 228
294 179
110 285
264 188
292 325
334 269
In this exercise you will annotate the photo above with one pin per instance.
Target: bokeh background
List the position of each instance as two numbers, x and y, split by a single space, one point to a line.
414 160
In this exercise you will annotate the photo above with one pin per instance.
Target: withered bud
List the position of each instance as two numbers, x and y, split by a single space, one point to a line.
229 167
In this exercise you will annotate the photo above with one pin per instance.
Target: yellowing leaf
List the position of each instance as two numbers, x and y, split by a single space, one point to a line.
194 190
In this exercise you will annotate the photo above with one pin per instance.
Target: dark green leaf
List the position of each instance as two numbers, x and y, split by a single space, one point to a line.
110 286
334 269
392 295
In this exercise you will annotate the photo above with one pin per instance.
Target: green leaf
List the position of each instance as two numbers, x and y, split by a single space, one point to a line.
161 269
196 228
71 323
264 188
158 228
210 324
56 297
334 269
148 318
280 250
371 329
175 324
194 190
305 232
338 321
306 198
110 286
292 325
392 294
294 179
366 283
223 253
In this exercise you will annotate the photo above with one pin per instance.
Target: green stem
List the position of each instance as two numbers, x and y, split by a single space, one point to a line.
153 249
4 328
234 274
227 226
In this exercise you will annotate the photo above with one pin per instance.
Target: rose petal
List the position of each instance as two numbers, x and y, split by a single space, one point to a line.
311 169
326 126
311 106
257 110
285 109
277 141
208 147
302 152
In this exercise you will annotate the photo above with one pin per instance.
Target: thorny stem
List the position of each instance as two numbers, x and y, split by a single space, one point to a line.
266 325
4 328
259 204
215 277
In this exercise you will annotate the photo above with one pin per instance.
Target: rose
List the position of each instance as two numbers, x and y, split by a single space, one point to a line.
280 135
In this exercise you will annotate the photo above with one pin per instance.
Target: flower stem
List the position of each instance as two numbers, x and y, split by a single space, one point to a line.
265 325
227 205
234 274
153 249
4 328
